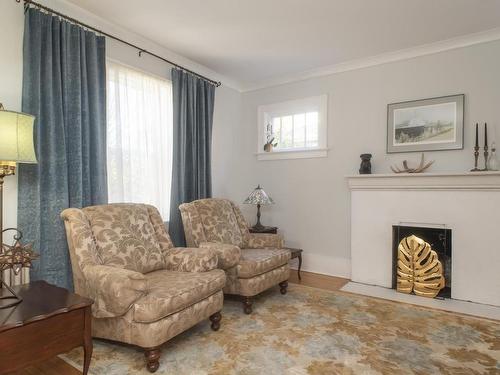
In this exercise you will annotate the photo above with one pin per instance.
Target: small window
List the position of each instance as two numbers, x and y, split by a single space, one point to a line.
293 129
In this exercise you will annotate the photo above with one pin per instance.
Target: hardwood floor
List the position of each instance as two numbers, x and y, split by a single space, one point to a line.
317 280
57 366
54 366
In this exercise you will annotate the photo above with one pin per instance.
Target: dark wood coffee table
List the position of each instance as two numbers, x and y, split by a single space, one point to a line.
49 321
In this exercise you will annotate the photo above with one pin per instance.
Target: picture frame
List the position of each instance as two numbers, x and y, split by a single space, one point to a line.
433 124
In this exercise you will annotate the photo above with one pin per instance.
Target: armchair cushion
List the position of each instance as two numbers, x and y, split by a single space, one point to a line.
113 290
125 237
219 221
170 292
254 262
262 240
186 259
228 255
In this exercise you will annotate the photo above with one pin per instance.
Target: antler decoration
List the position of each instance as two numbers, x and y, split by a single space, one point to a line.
422 167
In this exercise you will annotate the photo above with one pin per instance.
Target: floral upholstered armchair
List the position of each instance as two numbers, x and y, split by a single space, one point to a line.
145 291
253 262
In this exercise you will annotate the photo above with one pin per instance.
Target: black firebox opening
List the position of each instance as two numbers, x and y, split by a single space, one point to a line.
440 241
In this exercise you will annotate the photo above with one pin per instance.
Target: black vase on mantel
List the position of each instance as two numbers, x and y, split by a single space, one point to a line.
366 165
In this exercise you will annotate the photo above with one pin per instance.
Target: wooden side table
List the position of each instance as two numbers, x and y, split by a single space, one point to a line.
49 321
297 253
272 230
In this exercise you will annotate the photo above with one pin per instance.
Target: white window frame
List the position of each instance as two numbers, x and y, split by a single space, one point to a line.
292 107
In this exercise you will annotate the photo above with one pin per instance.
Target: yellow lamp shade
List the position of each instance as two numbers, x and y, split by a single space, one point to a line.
16 137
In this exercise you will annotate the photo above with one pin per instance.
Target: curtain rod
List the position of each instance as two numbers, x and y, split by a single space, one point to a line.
141 50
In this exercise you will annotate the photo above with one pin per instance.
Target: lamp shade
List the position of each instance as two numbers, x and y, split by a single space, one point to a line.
259 196
16 137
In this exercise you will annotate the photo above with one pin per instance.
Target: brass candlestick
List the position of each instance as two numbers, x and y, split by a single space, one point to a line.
485 147
476 159
485 158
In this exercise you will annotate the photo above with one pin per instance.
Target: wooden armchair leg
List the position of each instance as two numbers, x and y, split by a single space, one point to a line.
152 359
283 286
215 319
247 305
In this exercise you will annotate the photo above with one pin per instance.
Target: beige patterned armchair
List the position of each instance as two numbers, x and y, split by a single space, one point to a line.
145 291
253 262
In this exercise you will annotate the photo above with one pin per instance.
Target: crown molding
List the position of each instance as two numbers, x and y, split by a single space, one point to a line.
241 86
403 54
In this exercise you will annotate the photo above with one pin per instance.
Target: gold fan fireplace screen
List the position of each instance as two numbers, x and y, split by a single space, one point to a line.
418 269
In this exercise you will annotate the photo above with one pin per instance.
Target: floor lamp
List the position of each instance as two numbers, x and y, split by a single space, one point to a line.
16 146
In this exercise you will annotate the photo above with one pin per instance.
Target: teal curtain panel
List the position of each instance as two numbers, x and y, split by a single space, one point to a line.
193 100
64 86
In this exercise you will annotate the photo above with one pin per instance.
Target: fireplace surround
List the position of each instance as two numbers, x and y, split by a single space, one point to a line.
466 202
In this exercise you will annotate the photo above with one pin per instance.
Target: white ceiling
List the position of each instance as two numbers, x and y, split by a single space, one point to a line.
254 41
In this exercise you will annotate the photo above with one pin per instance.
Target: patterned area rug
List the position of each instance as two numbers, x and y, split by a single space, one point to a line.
313 331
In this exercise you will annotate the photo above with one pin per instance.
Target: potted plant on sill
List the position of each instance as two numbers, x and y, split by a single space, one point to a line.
270 143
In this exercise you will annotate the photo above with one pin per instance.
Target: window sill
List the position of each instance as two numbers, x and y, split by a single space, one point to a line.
293 154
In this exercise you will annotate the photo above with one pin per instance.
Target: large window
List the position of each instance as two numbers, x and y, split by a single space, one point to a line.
139 137
294 129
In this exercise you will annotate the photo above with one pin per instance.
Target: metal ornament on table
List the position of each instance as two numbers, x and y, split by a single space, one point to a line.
15 258
259 197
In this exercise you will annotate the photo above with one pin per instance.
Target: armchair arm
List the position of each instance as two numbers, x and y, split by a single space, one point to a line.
263 240
113 289
228 255
189 259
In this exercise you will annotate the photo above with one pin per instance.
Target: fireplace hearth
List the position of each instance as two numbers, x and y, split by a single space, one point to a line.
424 255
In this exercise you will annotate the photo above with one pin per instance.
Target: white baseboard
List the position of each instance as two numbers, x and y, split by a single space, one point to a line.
325 265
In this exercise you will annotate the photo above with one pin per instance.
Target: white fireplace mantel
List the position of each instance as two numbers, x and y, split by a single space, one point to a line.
426 181
468 203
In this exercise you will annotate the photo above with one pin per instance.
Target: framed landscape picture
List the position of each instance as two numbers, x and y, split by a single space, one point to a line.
426 125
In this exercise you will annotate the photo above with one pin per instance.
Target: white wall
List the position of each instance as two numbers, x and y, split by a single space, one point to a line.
11 65
312 198
226 118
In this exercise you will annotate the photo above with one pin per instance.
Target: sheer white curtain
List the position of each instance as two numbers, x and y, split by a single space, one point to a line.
139 137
